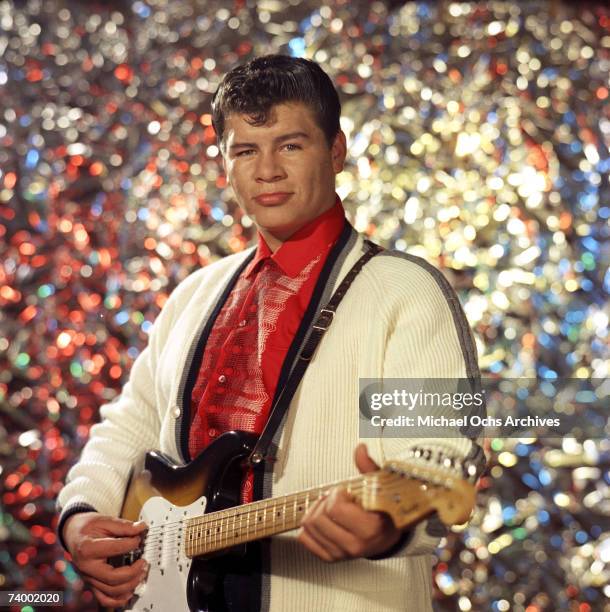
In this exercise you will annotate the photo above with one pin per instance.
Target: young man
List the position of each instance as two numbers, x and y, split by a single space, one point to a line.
225 342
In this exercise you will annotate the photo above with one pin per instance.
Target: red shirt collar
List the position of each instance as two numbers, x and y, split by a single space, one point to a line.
315 237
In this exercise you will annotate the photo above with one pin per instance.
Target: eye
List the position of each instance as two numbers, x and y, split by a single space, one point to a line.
243 152
292 144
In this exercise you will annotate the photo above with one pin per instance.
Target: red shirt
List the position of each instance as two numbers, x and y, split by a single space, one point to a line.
254 329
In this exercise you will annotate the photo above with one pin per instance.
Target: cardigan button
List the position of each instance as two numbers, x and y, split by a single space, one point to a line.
175 412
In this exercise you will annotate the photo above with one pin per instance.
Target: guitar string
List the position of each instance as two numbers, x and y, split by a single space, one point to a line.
210 521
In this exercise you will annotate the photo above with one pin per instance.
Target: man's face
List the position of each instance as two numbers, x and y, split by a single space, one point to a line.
288 155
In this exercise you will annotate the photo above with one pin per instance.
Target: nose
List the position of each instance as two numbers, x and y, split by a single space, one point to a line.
269 167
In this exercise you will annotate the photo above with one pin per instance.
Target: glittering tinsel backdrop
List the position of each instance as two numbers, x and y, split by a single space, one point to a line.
479 139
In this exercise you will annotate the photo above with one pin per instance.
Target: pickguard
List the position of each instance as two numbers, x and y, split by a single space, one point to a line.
166 584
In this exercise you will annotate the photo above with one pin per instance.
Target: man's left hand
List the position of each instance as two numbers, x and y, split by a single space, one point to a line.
336 527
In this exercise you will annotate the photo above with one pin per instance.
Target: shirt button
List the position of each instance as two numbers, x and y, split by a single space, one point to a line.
242 323
175 412
222 378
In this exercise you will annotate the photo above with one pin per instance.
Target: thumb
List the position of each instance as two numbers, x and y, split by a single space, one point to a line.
363 462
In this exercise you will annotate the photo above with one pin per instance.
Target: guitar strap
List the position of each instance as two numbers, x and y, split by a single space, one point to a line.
318 329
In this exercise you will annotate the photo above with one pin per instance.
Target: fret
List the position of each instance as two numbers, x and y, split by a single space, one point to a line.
224 529
264 517
365 491
259 521
272 516
284 515
211 529
243 515
234 534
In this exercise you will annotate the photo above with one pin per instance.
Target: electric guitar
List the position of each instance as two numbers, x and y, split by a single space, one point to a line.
193 513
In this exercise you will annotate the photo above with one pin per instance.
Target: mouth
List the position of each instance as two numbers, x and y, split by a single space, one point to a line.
272 198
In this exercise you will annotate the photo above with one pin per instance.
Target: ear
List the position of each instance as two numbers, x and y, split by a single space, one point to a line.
339 152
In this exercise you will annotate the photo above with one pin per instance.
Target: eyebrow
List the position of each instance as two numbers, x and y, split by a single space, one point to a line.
237 145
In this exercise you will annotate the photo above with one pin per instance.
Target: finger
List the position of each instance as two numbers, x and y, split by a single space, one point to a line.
316 532
320 527
363 462
119 591
121 527
314 509
110 602
102 548
312 546
113 575
348 514
335 538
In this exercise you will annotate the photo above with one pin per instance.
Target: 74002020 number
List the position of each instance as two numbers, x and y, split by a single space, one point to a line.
42 598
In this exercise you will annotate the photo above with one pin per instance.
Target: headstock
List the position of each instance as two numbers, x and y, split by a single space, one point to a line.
409 490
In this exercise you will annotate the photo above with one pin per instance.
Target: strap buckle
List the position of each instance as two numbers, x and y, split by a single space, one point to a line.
324 319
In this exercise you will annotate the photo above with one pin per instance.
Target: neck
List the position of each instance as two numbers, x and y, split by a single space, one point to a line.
276 238
225 528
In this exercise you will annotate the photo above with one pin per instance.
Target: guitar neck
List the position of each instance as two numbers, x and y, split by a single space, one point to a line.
226 528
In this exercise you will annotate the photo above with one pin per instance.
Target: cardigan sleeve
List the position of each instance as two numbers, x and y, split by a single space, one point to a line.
428 338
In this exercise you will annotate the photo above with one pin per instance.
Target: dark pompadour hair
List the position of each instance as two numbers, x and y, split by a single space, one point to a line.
254 88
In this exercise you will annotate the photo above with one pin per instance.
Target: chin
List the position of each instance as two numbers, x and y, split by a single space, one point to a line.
275 220
281 231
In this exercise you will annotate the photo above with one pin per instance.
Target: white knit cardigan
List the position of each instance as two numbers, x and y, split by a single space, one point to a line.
400 319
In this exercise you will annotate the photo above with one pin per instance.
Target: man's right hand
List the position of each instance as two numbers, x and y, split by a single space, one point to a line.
91 538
